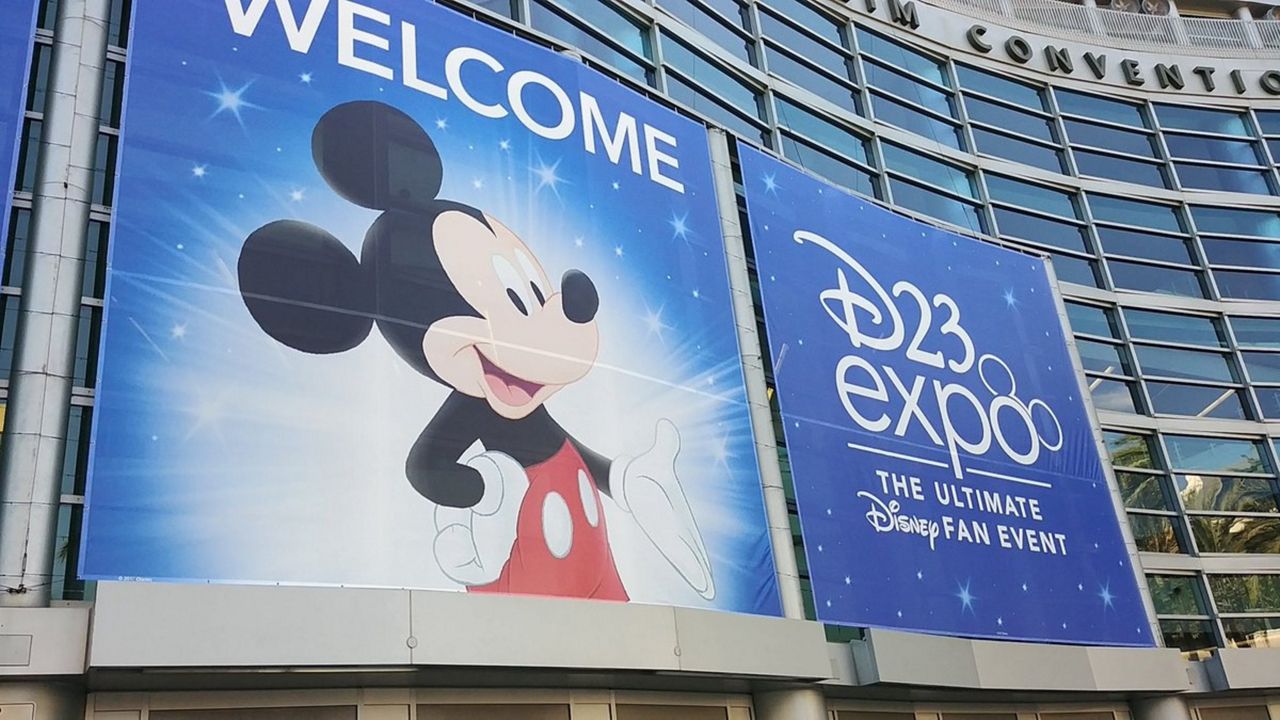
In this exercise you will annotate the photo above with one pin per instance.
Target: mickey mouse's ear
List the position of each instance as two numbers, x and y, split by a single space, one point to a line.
376 156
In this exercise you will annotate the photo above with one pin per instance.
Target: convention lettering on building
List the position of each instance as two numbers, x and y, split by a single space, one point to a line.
1091 64
397 299
946 470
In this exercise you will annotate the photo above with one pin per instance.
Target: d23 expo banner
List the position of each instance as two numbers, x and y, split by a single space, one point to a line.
945 468
16 30
397 299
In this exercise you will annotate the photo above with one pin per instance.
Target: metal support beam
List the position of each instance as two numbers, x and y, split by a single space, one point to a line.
775 498
44 362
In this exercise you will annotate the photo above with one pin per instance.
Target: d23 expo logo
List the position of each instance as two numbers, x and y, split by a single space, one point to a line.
931 376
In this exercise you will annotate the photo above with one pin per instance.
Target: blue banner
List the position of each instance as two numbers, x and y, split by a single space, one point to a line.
17 30
400 300
946 471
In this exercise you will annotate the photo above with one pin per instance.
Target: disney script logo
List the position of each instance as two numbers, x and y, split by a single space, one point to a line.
885 517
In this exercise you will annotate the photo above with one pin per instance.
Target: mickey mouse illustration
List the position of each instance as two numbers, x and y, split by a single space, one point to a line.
465 302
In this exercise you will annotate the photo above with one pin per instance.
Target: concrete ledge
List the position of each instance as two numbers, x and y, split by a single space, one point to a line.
1244 668
900 658
43 641
226 626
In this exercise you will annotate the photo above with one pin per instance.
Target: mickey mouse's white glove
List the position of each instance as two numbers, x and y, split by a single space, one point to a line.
473 544
647 487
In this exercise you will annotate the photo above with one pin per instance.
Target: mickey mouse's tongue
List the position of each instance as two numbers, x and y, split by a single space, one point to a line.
508 388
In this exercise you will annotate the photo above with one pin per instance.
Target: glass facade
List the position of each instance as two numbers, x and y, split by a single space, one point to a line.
1161 219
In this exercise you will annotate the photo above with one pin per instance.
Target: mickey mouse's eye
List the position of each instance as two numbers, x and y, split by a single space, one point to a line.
531 271
515 284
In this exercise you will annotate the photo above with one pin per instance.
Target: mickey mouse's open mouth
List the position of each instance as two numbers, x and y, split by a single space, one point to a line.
508 388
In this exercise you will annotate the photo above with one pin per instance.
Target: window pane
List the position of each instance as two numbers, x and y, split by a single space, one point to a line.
1145 245
1196 147
75 456
1245 253
1036 197
1000 87
883 48
1166 327
551 21
1128 450
1223 122
712 25
1103 358
1246 593
1268 402
1040 229
1209 492
1114 395
1251 632
1211 177
836 169
709 75
1256 331
1075 270
1155 533
1007 118
1145 492
1247 285
1176 595
1131 212
907 88
1188 635
1214 454
1011 148
685 93
1269 120
828 88
1190 364
810 17
1263 367
617 26
1117 168
811 49
1091 319
1233 221
944 175
1092 106
928 202
1155 279
1236 534
1196 401
893 112
1110 138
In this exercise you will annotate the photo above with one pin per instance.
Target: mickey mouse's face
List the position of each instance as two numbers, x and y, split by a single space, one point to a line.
529 337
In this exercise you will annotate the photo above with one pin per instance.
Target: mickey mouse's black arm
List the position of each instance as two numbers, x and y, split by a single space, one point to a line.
433 466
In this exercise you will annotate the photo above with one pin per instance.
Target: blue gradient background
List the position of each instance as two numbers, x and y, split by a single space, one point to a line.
222 455
17 23
861 577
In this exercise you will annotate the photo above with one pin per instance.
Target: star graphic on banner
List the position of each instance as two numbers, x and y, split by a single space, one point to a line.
653 321
504 144
1107 597
617 251
679 228
966 598
1009 300
477 183
770 183
231 101
919 575
199 171
178 332
547 176
615 185
305 78
442 124
297 194
577 241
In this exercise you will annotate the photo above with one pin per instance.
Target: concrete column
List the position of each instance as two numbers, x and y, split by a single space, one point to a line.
1164 707
44 700
1245 15
806 703
43 364
775 498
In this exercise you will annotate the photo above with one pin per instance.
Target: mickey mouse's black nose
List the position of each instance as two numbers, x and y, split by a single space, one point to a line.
580 298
